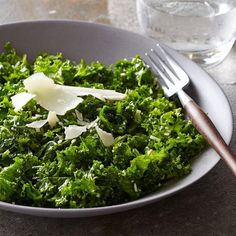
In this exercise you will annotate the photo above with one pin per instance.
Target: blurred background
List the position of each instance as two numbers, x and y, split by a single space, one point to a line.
120 13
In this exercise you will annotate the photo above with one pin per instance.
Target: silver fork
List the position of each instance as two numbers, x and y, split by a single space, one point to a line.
173 79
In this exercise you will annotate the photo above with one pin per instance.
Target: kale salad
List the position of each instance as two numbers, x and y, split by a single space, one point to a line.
78 135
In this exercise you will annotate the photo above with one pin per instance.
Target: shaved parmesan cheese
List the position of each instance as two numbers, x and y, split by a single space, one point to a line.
36 83
20 99
80 119
58 98
98 93
37 124
79 115
52 118
74 131
50 96
93 123
106 138
98 96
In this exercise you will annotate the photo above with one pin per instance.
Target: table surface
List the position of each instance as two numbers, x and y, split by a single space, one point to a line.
206 208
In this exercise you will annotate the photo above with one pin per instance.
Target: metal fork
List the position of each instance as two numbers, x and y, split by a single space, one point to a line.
173 79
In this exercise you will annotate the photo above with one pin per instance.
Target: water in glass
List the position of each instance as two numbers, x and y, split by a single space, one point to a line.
203 30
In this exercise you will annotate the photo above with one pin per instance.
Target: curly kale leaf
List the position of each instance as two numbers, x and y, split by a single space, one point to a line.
153 142
54 67
130 74
12 176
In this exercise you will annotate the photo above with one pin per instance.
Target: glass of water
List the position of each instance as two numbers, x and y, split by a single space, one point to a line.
204 30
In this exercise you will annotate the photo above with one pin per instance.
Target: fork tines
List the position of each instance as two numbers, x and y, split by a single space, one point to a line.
172 76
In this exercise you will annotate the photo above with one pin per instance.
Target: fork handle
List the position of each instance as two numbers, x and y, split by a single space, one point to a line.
206 127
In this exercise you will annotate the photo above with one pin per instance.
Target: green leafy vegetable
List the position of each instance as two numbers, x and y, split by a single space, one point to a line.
153 143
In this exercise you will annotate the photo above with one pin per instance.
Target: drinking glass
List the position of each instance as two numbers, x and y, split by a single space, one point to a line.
203 30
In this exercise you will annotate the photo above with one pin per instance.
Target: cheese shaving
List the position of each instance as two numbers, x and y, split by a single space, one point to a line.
106 138
52 118
21 99
37 124
79 115
49 95
74 131
93 123
101 94
58 98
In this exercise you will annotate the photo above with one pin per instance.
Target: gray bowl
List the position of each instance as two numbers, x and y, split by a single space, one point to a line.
78 40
